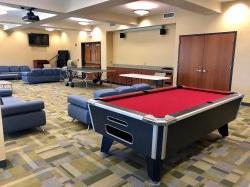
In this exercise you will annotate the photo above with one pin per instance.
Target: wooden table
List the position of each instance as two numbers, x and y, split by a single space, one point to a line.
2 147
152 78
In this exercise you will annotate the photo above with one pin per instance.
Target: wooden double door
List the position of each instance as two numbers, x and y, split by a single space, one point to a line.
91 54
206 60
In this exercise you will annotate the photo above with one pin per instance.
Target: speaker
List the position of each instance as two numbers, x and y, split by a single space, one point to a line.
62 58
122 35
163 31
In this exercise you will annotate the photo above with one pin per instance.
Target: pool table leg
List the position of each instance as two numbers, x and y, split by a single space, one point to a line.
154 169
106 144
223 130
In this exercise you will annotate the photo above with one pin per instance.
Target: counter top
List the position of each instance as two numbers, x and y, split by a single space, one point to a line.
157 68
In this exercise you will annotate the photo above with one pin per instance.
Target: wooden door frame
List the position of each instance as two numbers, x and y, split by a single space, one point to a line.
234 47
83 44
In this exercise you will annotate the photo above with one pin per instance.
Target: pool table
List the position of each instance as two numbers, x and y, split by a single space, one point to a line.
160 122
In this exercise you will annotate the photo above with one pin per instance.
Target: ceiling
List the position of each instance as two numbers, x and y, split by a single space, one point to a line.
123 10
56 13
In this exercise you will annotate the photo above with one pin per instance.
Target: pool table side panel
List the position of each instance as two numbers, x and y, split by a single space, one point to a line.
186 131
142 133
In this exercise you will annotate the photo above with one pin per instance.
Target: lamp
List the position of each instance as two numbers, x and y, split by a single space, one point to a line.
49 29
141 12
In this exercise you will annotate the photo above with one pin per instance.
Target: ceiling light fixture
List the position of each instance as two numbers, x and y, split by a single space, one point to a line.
83 23
49 29
141 12
7 8
2 12
141 5
79 19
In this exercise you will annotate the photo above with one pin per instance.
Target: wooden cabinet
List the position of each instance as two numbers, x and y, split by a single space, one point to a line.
115 77
206 60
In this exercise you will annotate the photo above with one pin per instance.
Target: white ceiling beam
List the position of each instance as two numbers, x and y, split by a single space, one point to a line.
198 6
113 18
90 8
54 6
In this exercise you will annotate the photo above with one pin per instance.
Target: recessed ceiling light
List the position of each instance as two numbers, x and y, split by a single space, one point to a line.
2 12
141 12
142 5
46 25
79 19
49 29
7 26
83 23
6 8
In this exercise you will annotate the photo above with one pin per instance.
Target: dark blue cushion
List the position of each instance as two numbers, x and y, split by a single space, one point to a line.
141 86
4 69
14 69
57 71
125 89
26 73
48 72
24 121
5 76
24 69
104 93
78 101
37 72
22 107
4 92
79 113
7 101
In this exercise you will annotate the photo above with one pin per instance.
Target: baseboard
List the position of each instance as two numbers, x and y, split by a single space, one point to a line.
3 164
245 104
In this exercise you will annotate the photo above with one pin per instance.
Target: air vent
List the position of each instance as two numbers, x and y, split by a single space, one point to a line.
169 15
112 24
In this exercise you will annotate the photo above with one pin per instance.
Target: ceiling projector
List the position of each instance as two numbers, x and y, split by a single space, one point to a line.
30 17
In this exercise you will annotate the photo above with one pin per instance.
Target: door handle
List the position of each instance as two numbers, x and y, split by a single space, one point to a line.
204 71
198 70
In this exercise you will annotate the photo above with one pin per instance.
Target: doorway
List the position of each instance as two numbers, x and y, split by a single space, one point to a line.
91 54
206 60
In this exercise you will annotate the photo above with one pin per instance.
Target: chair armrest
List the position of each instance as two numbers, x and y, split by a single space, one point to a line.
78 101
5 92
20 108
26 73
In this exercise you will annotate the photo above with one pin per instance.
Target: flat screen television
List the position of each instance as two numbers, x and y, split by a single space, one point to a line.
39 40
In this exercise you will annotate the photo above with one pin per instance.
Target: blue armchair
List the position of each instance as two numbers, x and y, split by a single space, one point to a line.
42 75
78 109
19 115
12 72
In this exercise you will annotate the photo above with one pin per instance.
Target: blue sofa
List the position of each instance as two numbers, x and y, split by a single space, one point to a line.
42 75
78 105
19 115
12 72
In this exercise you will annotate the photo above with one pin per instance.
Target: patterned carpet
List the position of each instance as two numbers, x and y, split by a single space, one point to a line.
67 154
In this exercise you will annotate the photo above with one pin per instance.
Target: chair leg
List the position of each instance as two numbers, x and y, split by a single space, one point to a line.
41 128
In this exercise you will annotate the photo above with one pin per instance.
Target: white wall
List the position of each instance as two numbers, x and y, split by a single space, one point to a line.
145 48
15 49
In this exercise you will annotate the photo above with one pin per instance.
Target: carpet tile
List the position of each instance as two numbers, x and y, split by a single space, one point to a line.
68 154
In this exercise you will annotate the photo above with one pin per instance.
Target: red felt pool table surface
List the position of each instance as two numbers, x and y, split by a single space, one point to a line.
166 101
